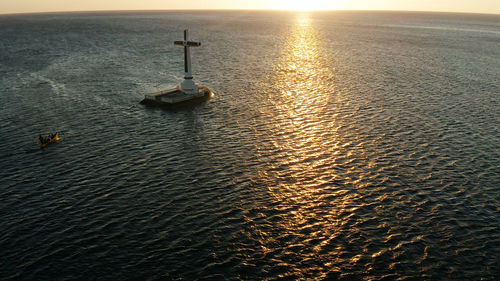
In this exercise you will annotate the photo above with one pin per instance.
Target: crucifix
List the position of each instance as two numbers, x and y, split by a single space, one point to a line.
188 86
187 92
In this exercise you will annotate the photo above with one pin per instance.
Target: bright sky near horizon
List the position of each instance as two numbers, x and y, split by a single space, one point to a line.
466 6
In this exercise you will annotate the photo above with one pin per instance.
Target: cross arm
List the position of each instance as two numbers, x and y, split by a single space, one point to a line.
187 43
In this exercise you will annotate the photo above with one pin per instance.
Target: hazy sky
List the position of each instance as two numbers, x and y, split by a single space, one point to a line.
471 6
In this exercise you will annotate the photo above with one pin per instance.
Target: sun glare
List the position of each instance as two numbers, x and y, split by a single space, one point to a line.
307 5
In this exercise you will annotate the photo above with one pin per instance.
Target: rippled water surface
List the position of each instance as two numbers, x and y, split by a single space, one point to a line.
340 145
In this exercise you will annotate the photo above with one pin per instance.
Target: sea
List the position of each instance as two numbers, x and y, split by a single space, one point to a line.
338 146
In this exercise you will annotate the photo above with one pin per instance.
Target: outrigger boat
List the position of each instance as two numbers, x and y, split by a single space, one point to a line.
50 139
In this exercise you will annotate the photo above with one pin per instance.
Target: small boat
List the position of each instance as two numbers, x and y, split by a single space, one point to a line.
48 140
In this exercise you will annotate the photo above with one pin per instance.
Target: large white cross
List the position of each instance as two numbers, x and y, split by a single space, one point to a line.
188 85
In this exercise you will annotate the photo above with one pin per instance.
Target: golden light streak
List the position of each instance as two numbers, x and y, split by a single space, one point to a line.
308 5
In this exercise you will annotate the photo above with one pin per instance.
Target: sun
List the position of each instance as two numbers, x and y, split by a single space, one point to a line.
307 5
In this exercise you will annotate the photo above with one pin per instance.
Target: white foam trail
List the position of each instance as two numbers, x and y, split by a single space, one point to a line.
57 88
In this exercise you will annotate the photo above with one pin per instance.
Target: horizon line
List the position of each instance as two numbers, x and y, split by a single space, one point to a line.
248 10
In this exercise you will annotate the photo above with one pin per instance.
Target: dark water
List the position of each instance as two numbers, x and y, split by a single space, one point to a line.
340 145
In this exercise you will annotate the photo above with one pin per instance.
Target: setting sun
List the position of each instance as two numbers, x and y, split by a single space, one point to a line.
464 6
301 5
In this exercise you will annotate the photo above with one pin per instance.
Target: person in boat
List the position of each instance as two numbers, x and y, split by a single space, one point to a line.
41 139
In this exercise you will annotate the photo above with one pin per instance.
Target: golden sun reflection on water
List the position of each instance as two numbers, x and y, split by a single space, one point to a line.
304 142
302 86
303 74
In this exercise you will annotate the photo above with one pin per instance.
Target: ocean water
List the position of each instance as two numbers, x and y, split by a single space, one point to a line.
338 146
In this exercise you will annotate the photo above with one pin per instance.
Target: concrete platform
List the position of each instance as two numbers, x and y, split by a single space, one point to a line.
176 97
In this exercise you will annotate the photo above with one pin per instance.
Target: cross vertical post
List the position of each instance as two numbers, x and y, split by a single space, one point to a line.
188 85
